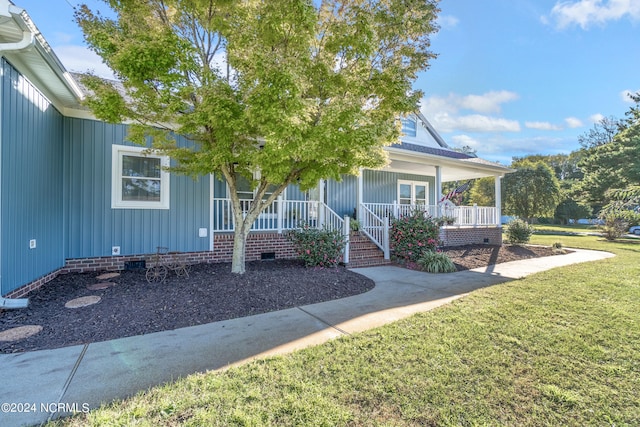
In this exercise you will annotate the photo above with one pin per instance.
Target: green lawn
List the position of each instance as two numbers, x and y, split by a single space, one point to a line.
571 229
557 348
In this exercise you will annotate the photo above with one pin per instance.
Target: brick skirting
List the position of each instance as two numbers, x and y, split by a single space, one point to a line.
257 245
458 236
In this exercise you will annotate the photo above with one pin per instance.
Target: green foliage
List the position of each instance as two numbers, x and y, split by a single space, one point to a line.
483 191
436 262
318 247
412 236
518 232
569 209
531 191
614 226
309 90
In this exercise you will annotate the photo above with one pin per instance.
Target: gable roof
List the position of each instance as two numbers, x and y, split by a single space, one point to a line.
22 44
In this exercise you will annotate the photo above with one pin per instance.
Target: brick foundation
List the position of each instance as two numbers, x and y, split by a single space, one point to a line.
257 244
459 236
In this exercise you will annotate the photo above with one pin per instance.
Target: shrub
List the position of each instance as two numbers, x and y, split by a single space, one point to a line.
614 226
318 247
436 262
412 236
518 232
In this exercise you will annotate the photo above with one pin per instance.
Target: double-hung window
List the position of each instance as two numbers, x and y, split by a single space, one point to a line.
138 179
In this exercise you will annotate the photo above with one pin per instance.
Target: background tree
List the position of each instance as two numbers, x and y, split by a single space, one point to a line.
602 132
274 92
531 191
483 192
570 210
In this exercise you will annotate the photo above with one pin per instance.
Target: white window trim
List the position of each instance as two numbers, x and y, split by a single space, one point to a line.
413 190
117 152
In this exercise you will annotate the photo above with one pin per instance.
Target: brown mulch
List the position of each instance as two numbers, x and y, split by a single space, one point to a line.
211 293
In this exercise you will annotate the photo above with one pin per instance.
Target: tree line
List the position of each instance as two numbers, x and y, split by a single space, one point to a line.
601 179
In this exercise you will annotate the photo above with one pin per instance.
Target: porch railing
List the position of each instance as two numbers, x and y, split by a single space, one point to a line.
473 216
376 228
279 216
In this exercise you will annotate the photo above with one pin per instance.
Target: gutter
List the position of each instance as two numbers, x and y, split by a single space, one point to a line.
32 37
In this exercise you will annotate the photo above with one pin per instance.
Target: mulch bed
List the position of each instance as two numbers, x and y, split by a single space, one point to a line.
132 306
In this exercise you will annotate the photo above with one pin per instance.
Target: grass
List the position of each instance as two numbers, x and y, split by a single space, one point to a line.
558 348
569 229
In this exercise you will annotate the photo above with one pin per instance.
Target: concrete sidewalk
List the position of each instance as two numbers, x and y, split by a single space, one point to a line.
45 384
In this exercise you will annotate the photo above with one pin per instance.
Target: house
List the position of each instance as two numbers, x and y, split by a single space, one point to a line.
75 196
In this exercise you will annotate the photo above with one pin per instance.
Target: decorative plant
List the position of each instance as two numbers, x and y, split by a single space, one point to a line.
354 225
436 262
614 226
412 236
446 220
518 232
318 247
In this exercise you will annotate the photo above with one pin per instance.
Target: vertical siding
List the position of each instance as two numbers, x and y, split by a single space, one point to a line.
31 139
94 227
342 196
382 186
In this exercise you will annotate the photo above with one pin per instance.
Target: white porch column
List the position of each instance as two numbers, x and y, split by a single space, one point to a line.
359 195
438 189
498 189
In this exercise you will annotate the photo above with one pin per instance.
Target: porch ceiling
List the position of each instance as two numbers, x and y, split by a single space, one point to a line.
448 173
450 169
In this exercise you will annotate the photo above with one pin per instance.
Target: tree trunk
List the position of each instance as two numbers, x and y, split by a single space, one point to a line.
239 246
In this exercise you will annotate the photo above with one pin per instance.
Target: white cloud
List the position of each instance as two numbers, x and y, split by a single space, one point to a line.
595 118
573 122
445 122
465 140
542 126
489 102
625 95
81 59
445 112
585 13
448 21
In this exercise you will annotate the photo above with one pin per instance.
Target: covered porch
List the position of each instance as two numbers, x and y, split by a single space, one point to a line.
411 181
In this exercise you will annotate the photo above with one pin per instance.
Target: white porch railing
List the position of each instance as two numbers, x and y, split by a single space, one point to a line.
473 216
279 216
375 218
376 228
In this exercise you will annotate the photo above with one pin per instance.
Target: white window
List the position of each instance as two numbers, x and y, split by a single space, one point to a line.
409 126
413 193
138 180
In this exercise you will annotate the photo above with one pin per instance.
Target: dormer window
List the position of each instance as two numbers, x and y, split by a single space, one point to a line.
409 126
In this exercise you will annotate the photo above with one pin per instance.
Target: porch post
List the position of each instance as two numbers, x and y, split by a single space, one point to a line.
346 231
438 190
498 189
279 213
359 195
321 205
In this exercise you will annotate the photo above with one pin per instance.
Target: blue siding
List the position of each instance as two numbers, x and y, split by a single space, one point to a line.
342 196
382 186
31 139
94 227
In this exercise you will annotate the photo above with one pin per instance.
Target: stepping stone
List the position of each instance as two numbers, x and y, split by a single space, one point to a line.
19 333
83 301
107 276
100 286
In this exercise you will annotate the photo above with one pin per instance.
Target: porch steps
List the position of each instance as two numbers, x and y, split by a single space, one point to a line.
364 253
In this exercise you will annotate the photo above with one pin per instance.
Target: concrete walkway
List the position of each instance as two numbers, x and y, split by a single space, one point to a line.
44 384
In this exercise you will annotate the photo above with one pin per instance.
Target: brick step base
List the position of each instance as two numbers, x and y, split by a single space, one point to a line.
364 253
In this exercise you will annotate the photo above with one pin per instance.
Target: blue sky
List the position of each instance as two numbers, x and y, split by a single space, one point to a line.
512 77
